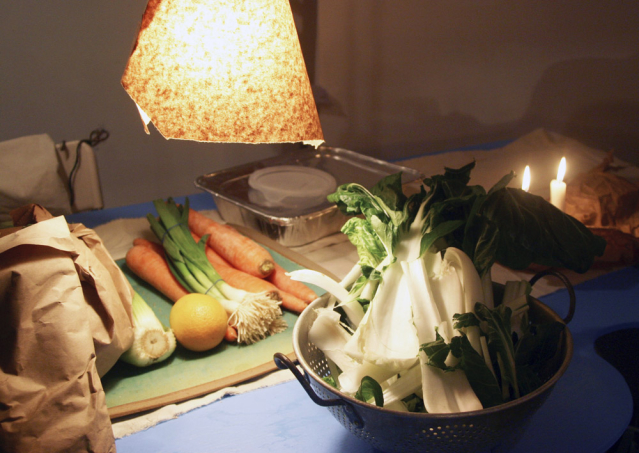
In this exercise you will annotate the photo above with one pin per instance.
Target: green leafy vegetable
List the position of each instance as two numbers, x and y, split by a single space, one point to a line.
437 352
423 278
534 351
330 381
370 390
500 342
534 231
480 377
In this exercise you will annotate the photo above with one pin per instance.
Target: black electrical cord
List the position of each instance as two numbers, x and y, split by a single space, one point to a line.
96 136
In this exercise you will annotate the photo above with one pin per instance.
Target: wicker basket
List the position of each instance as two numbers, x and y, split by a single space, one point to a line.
493 429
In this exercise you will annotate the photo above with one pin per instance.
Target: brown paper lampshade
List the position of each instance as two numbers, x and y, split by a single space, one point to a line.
223 71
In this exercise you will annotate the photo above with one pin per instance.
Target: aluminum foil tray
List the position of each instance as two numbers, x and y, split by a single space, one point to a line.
290 224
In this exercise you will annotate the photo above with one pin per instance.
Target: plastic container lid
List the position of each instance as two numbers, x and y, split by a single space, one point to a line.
290 185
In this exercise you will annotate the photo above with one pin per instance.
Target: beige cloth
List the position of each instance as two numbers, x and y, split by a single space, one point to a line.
30 173
541 150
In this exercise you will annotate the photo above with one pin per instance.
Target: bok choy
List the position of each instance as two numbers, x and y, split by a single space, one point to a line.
416 314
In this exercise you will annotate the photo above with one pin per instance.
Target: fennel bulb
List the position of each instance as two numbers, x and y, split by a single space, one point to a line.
152 341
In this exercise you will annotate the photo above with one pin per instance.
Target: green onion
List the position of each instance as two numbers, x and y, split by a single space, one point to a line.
254 315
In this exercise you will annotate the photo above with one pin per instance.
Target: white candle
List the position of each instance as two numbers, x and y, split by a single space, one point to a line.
558 187
525 184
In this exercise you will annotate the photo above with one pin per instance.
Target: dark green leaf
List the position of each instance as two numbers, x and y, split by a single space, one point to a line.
330 381
534 231
414 403
538 346
464 320
437 352
389 190
443 229
370 389
481 379
486 246
500 341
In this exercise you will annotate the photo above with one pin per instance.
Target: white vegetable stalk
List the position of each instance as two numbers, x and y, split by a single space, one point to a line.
443 392
351 306
321 280
386 335
448 296
446 392
468 278
152 341
351 277
329 336
408 383
516 297
471 286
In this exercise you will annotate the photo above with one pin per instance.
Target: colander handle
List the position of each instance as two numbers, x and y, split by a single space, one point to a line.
283 362
566 282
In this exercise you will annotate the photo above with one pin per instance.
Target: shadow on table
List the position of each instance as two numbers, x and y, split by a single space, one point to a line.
621 349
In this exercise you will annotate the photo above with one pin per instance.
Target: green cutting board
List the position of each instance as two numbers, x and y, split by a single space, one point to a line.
187 374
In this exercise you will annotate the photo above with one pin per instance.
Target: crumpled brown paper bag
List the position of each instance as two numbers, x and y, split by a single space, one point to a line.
65 319
599 198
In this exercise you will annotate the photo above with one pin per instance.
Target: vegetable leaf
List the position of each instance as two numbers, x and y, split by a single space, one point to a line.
370 249
481 379
414 403
534 231
437 351
389 189
534 351
500 341
464 320
441 230
330 381
370 389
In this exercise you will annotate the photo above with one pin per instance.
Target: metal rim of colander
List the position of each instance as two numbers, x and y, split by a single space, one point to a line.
322 300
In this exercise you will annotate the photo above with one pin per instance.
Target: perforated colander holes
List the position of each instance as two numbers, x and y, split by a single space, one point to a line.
320 367
316 360
450 433
457 438
357 430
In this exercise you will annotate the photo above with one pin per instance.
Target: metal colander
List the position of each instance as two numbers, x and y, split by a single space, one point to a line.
494 429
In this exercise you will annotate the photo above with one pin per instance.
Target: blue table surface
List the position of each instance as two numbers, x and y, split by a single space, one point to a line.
588 410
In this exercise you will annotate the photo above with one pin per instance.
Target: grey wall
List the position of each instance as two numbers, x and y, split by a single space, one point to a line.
414 76
404 77
60 67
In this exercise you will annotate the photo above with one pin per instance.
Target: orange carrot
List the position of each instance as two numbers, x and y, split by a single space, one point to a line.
285 283
250 283
150 265
231 334
146 260
242 252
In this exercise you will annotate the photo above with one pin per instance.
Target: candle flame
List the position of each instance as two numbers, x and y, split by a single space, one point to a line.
525 185
561 172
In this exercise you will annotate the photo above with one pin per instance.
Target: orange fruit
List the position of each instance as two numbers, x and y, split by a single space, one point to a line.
198 322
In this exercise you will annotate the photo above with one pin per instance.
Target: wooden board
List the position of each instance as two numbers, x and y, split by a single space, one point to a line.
186 374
